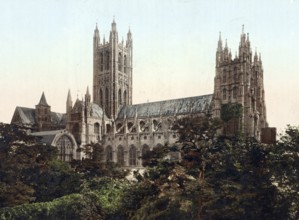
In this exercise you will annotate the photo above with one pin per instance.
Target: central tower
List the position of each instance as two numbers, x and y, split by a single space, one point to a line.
112 71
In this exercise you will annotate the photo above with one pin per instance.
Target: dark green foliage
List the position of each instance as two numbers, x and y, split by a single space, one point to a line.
75 206
231 111
55 181
90 168
284 159
20 157
216 178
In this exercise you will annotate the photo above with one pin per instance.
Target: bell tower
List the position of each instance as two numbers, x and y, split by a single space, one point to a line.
43 114
112 71
238 86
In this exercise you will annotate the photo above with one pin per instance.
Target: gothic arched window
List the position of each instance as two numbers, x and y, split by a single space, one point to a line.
235 92
120 156
101 98
101 61
125 98
107 60
108 128
109 154
96 130
132 156
125 64
145 149
119 61
65 148
224 76
106 99
119 97
235 74
224 93
258 91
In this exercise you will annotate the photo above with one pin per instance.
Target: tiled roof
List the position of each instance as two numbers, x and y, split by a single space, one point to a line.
181 106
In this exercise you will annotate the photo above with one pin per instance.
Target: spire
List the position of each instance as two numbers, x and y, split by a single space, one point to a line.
87 91
255 55
219 42
243 37
96 31
129 38
87 96
260 59
113 33
43 100
69 97
96 37
113 25
69 102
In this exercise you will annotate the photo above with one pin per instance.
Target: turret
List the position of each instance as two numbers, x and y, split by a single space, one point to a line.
245 53
219 52
69 102
226 52
87 97
113 32
255 59
43 114
129 38
96 38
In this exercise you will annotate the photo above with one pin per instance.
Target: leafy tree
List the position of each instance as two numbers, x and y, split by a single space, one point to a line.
94 166
19 155
284 159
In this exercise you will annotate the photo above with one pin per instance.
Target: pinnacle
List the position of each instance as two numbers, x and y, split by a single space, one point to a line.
43 100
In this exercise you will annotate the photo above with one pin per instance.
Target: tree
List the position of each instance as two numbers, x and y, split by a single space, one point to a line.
19 155
284 160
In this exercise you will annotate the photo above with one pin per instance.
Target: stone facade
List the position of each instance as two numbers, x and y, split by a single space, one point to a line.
127 131
112 72
240 80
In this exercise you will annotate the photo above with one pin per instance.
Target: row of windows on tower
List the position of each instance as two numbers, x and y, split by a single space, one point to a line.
43 111
105 62
234 92
131 157
227 93
122 97
226 77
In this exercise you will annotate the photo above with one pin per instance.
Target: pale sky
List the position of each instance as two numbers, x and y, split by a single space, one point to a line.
47 46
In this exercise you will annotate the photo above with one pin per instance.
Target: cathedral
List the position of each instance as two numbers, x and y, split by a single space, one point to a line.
125 130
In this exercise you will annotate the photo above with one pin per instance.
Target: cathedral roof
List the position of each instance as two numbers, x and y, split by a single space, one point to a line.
97 111
181 106
47 136
26 116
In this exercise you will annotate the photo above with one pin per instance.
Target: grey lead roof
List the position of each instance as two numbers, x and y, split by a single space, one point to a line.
27 116
97 111
181 106
47 136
